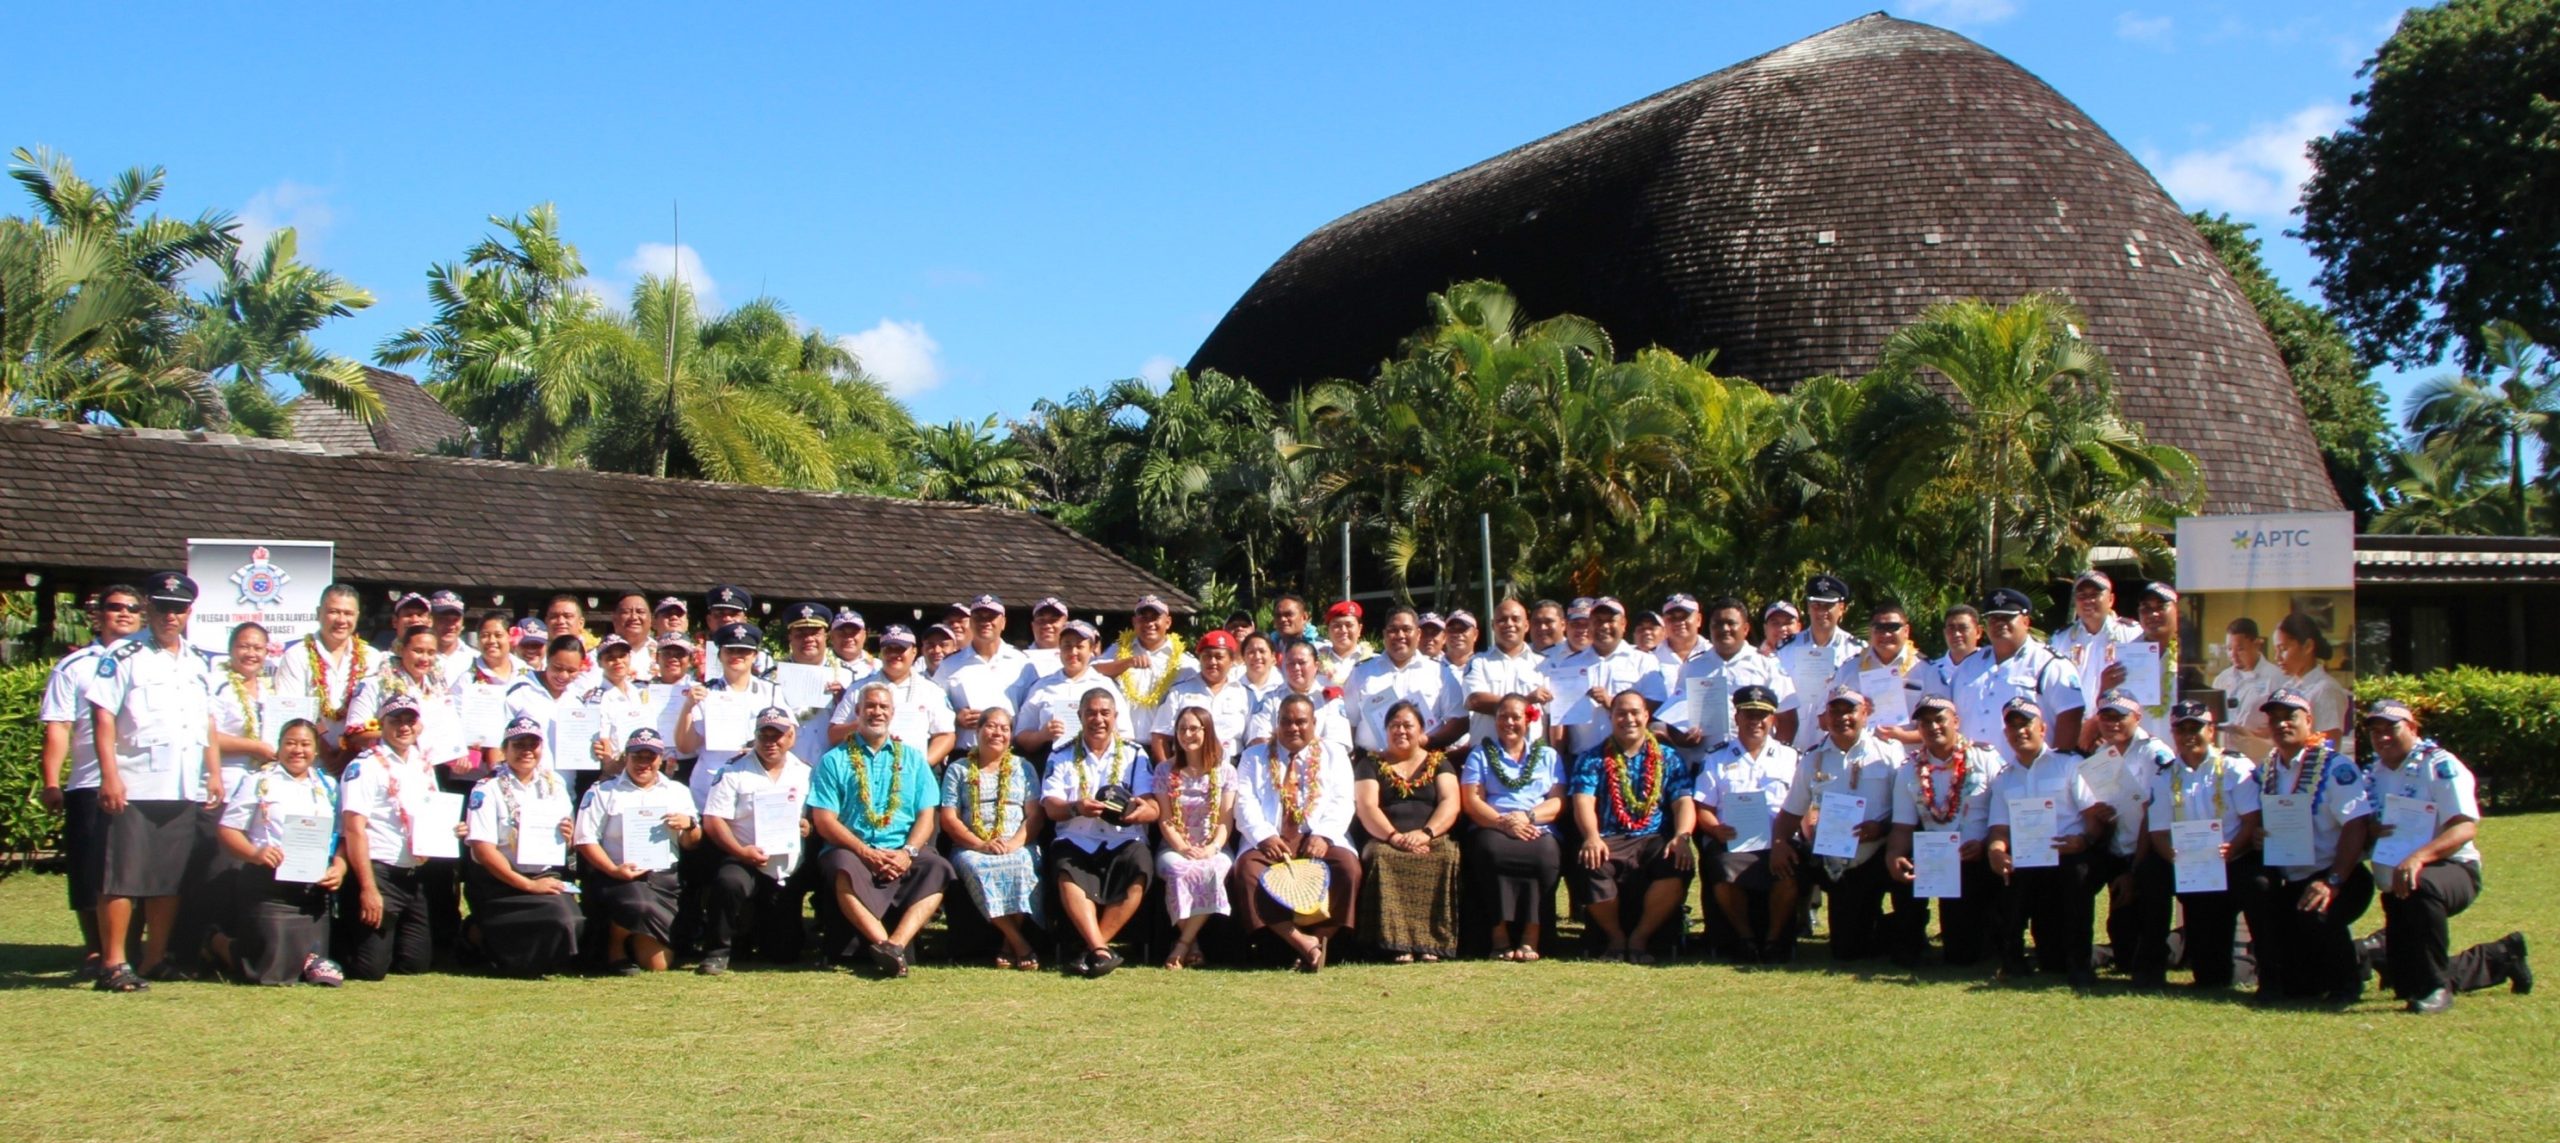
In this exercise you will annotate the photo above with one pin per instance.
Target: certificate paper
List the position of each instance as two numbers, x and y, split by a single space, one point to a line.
278 710
804 687
538 841
2413 825
484 715
1711 709
775 824
431 826
2141 662
574 727
2031 834
1837 834
306 840
646 841
2198 849
728 725
1937 864
1747 811
1812 678
1883 687
669 713
2287 819
1573 705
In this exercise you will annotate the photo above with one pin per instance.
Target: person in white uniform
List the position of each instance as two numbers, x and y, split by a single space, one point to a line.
2013 664
750 900
1509 667
1149 662
1851 762
1752 767
2436 880
1812 657
924 719
68 764
987 673
2052 900
1214 689
2300 916
1404 674
159 782
1946 788
2201 783
2094 623
630 829
1048 717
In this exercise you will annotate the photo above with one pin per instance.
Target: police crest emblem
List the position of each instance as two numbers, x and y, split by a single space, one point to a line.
260 581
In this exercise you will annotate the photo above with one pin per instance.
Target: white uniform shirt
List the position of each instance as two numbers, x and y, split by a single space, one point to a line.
619 712
1746 668
2186 793
1380 683
2124 780
1069 782
256 801
1867 770
1973 801
2243 692
1491 672
1148 721
602 815
162 701
1985 683
1258 806
2053 774
1332 724
1044 661
454 665
974 683
440 731
1230 710
1057 698
2430 774
346 673
2329 701
923 708
2338 791
738 784
389 791
2072 643
1804 660
530 698
1938 676
1626 669
500 805
1729 769
66 700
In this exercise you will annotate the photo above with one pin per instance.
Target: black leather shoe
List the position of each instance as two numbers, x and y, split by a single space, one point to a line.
2434 1003
717 964
2519 970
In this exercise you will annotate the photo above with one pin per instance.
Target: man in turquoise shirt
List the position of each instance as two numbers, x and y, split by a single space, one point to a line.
869 803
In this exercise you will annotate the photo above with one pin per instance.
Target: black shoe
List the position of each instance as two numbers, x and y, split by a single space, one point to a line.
1100 963
890 958
2519 970
717 964
1082 965
2347 997
623 968
2083 979
167 971
2370 955
121 978
2433 1003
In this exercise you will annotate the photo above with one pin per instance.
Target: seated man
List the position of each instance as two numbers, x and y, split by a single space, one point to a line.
753 816
867 803
1296 803
1096 791
1750 775
1637 845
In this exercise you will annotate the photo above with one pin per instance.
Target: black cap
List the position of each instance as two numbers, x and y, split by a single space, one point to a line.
737 636
170 587
723 595
810 615
1753 696
1826 588
2189 710
2007 601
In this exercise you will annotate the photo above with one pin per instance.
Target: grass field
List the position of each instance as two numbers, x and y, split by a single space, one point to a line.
1483 1050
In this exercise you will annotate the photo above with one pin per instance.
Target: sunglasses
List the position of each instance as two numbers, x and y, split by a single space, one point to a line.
1889 628
119 609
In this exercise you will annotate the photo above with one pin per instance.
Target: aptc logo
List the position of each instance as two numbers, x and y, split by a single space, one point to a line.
2254 539
261 583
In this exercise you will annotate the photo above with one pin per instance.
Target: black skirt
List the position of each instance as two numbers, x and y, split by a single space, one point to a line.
277 926
523 934
643 907
149 847
1518 877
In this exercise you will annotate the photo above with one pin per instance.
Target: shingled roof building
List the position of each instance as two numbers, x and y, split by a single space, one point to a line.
412 420
1792 211
85 505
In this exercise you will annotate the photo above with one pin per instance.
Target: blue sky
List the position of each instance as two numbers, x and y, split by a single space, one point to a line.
1002 203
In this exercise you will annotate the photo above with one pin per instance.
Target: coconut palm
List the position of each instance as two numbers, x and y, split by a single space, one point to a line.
2444 489
2518 399
258 321
971 463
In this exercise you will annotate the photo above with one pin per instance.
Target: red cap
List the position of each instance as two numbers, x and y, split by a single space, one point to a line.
1218 638
1348 607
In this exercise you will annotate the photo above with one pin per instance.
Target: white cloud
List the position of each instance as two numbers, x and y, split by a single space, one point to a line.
1157 370
2258 174
1958 13
900 354
2141 29
661 259
301 206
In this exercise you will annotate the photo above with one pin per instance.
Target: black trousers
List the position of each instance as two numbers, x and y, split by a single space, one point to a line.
1964 923
2303 954
743 905
2054 904
2417 947
404 943
2212 918
1857 897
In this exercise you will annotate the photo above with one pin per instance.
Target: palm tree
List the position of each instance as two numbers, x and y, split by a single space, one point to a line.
258 321
2517 400
2445 488
971 464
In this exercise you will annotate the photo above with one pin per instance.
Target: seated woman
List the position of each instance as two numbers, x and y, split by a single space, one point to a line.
629 830
1296 805
1196 789
1513 790
517 825
281 933
988 798
1406 800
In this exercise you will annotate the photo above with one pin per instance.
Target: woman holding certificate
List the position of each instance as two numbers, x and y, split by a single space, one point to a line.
518 826
627 834
281 823
1513 790
1405 798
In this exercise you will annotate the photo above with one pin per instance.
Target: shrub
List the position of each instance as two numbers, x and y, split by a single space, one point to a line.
25 826
2502 725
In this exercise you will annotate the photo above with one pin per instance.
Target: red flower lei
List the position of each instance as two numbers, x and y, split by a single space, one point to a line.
320 676
1630 809
1299 784
1927 796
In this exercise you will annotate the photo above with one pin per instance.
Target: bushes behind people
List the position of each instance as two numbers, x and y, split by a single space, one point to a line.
2501 724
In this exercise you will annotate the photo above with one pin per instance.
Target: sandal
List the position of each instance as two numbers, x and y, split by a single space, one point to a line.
1429 958
1195 959
1176 960
1003 961
1027 964
1525 953
1402 958
122 978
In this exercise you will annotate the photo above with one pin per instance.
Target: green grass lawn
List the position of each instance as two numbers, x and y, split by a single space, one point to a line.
1486 1050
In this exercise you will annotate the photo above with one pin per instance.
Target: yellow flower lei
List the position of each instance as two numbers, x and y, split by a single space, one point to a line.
320 676
248 710
1163 684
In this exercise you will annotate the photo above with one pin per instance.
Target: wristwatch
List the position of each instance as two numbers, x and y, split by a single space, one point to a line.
2334 881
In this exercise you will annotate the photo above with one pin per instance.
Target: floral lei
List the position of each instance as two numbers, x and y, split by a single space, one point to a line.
1530 759
1927 793
1408 787
320 676
1208 810
1633 804
1299 785
1084 777
248 709
1164 675
862 785
1004 797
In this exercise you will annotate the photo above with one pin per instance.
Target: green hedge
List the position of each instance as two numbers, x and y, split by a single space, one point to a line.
25 827
2504 726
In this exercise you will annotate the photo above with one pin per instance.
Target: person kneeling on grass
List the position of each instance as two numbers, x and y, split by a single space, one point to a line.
629 830
1636 846
1098 792
282 931
2436 879
1757 769
518 825
871 801
1296 806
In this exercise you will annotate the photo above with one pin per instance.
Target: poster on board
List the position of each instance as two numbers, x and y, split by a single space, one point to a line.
276 583
2273 596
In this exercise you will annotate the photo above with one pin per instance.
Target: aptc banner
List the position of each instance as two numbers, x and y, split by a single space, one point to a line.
2286 551
2273 598
276 583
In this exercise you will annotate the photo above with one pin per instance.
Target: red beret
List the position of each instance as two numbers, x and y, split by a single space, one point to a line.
1346 607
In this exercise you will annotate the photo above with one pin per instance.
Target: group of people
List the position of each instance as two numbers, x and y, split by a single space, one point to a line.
543 796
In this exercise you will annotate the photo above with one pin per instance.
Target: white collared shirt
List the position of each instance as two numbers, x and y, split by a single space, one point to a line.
1230 710
1259 811
975 683
2186 793
1332 724
1379 683
1729 769
2053 774
2430 774
1491 672
608 804
1072 778
1807 662
2339 789
1973 801
162 701
1985 683
256 800
1625 669
66 700
731 799
388 791
1148 721
1867 770
1747 667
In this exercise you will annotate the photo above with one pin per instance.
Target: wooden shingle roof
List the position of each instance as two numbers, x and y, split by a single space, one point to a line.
412 420
1790 212
90 501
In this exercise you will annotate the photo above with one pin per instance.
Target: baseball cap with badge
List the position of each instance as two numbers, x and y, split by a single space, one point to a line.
1049 603
2286 698
645 740
522 727
1933 702
612 644
897 635
775 718
1826 588
1679 601
2185 711
986 603
848 617
2007 601
724 596
809 615
1753 696
397 703
2095 576
1461 617
1147 603
672 605
2160 589
172 587
2121 702
2388 710
1780 607
2018 705
445 603
1607 603
406 602
1843 692
530 630
1430 619
1081 630
738 637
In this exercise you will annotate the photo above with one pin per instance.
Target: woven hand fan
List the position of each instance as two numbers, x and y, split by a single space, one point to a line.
1300 884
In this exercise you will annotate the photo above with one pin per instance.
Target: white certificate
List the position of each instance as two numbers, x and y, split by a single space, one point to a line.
1883 687
728 722
2287 820
1937 864
484 715
2413 825
1747 811
646 841
306 840
1711 709
2198 849
1836 835
669 713
538 841
278 710
440 728
804 687
2031 828
1812 678
574 726
431 826
1573 705
2141 661
774 823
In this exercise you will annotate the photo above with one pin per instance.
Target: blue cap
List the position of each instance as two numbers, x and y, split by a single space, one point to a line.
738 636
897 635
809 615
2119 701
2288 698
445 603
723 595
2388 710
2007 601
986 603
171 587
847 617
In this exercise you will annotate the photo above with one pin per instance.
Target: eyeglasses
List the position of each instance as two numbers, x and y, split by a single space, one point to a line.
1888 628
119 609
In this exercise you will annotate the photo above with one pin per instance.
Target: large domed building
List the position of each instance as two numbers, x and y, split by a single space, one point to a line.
1793 210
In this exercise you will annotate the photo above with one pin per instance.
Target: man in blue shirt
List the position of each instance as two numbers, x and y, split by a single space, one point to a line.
867 802
1634 800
